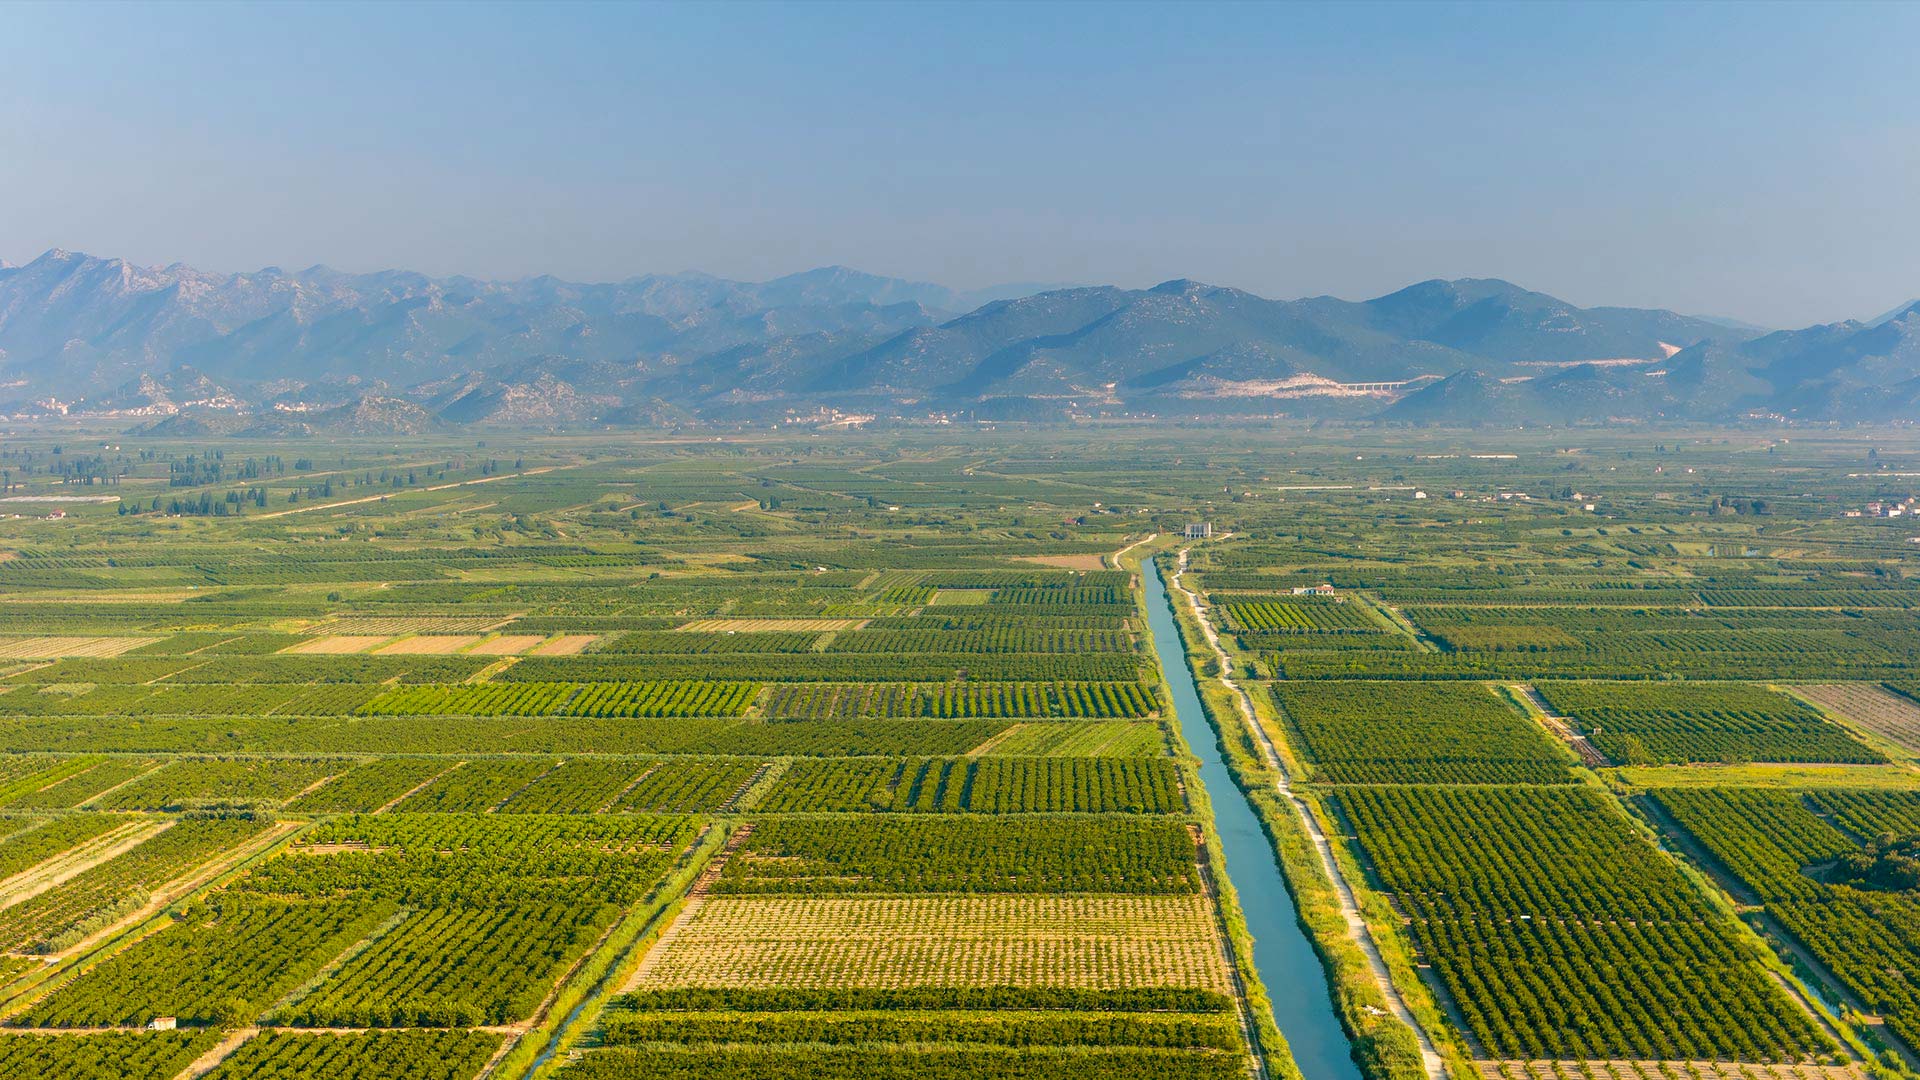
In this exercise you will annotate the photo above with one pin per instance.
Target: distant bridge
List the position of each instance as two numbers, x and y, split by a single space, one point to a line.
1387 387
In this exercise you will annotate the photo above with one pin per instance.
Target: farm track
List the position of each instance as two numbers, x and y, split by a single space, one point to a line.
218 1053
614 799
994 741
342 959
1513 1069
436 487
587 1004
1748 905
1113 560
1357 927
71 864
1399 622
696 896
417 789
130 928
172 892
732 802
1561 726
495 808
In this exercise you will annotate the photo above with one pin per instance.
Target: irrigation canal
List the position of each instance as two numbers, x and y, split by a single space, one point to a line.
1302 1004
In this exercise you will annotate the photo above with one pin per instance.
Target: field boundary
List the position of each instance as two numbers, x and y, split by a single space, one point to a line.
1357 928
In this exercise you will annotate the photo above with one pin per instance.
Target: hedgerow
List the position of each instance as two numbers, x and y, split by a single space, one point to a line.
619 1063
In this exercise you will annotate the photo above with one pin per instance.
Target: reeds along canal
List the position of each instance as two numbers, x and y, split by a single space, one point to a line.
1284 958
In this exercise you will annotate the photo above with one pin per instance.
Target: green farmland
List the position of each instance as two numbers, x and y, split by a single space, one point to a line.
652 757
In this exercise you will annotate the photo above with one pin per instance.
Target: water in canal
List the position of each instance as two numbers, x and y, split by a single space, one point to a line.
1302 1004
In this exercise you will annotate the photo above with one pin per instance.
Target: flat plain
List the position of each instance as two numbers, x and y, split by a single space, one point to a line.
656 757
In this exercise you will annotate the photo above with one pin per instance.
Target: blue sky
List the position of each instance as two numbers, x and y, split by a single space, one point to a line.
1761 162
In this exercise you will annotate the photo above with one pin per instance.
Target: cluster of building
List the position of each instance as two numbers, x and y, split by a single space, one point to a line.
1886 508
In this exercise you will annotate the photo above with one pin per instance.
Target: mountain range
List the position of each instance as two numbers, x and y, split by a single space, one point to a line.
285 353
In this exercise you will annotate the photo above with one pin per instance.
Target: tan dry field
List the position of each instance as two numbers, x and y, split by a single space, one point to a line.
564 645
1066 562
428 645
50 647
750 626
1096 942
1875 708
960 597
394 625
507 645
337 644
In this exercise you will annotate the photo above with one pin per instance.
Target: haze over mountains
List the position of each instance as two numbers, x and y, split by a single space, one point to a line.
278 352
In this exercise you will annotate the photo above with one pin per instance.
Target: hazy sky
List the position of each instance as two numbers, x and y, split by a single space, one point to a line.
1761 162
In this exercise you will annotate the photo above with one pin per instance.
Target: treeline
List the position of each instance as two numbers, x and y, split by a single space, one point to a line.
619 1063
1047 855
820 667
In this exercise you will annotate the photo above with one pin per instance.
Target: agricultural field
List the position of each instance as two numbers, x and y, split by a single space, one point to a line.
670 758
1731 723
1893 716
1554 737
1564 935
1372 733
1097 943
1796 854
591 774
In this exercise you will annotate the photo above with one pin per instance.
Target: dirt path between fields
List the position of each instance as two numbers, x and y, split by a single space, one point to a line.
1590 755
696 898
1357 928
72 863
1118 555
402 491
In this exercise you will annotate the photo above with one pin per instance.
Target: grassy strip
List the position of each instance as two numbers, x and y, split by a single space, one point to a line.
1769 944
758 788
590 988
1395 950
1789 777
1272 1045
28 990
1384 1048
60 770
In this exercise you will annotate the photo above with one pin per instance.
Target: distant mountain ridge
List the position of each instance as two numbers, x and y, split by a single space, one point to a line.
318 350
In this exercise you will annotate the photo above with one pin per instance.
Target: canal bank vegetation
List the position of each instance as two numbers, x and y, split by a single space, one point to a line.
1268 1040
1383 1047
1256 1007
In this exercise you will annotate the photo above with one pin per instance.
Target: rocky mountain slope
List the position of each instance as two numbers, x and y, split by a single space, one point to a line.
279 352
